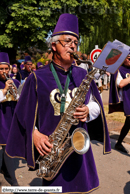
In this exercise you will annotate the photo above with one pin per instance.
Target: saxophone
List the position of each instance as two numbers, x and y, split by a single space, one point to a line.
63 143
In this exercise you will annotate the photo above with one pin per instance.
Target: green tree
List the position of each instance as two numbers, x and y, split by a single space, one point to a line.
112 22
25 23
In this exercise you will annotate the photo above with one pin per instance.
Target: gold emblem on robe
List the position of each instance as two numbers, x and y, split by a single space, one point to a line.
55 99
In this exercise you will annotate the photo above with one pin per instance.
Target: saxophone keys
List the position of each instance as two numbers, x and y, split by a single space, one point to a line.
41 171
44 169
43 162
74 121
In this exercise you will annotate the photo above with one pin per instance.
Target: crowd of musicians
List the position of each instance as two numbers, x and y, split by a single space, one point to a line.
28 117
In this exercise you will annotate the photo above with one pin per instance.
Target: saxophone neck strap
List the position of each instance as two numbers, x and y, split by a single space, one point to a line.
62 92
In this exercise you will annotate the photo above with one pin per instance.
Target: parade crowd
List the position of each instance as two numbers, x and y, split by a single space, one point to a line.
33 100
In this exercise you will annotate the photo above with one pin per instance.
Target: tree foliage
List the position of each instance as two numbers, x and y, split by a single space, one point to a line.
26 23
112 23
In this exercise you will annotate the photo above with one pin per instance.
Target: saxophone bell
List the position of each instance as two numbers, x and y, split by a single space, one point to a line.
80 140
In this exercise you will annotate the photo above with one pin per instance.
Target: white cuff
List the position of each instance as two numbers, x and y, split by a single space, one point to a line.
2 97
119 78
94 111
36 127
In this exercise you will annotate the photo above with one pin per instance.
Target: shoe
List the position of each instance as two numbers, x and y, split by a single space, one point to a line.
121 148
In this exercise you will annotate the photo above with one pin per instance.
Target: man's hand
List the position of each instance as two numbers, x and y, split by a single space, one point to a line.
81 113
8 84
41 143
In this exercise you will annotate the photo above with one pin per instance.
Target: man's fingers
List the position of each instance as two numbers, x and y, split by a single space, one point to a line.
81 109
9 81
41 142
41 151
80 114
45 148
83 120
49 144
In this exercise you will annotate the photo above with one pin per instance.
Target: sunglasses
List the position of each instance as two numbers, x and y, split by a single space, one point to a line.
128 59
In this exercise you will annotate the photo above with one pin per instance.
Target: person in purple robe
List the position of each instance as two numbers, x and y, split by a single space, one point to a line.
14 74
7 106
24 73
39 65
119 100
40 108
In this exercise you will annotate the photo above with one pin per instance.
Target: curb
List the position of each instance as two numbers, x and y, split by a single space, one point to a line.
115 135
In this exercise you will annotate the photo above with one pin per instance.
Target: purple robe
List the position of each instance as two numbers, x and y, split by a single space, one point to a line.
78 173
23 74
15 76
6 114
115 104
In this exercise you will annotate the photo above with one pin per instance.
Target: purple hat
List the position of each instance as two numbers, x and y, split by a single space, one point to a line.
4 58
67 24
14 65
39 64
27 59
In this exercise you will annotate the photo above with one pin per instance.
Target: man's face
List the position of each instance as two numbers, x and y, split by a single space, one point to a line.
63 47
28 66
4 69
127 61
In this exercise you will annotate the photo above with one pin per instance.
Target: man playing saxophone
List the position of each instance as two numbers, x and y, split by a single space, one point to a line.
50 91
8 100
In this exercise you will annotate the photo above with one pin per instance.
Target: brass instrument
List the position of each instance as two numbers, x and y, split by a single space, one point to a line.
89 62
12 90
63 144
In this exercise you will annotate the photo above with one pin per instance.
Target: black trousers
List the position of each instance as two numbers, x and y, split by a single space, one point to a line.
124 130
8 168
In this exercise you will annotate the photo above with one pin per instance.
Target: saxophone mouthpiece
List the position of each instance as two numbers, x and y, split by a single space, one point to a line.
74 55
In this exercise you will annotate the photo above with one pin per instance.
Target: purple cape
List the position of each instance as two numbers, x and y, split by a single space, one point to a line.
115 104
78 174
23 74
6 114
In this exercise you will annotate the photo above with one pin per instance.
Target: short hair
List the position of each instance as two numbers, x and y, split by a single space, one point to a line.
51 40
